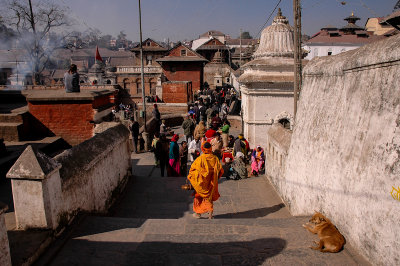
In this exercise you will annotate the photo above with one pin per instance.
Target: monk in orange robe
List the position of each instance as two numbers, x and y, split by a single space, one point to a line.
203 175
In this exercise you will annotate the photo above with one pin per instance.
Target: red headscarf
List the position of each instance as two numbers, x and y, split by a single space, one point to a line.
210 133
175 138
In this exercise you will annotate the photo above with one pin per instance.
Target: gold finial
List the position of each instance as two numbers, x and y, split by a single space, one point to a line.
352 13
279 12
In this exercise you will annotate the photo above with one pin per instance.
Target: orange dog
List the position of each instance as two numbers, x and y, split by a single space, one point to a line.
330 239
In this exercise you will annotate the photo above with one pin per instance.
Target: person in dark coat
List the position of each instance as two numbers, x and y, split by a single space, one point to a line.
156 116
134 128
183 155
188 126
216 122
162 152
71 79
196 112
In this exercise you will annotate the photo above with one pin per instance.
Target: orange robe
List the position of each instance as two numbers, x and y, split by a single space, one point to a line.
203 175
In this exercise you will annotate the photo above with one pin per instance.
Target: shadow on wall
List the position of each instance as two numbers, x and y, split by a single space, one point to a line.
171 253
355 194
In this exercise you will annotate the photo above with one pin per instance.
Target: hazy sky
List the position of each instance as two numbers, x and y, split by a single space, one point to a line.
187 19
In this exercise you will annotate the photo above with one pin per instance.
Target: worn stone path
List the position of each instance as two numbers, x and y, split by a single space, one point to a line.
153 225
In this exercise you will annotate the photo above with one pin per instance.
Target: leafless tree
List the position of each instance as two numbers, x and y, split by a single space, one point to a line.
39 24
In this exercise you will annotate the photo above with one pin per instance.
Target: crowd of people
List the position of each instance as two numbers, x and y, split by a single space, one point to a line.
207 145
125 111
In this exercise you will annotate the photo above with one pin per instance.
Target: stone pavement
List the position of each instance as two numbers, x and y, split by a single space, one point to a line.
152 225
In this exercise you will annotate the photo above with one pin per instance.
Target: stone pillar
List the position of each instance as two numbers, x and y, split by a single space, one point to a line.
36 187
5 257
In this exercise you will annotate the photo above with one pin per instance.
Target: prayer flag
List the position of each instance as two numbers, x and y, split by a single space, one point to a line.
98 57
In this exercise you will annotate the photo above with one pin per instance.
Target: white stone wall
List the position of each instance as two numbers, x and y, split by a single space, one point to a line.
344 156
5 258
276 152
88 185
261 108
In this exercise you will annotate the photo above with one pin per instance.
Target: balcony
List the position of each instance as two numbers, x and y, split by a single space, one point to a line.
137 69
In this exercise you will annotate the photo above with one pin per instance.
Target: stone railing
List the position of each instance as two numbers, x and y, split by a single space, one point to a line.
137 70
48 192
84 87
276 152
5 258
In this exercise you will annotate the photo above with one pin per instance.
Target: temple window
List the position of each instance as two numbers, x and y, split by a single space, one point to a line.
285 123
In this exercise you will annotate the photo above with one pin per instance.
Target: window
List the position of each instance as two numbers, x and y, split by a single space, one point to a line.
149 60
148 44
285 123
227 80
330 51
218 81
183 52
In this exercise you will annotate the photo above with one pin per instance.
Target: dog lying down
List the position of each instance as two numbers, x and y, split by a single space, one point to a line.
330 239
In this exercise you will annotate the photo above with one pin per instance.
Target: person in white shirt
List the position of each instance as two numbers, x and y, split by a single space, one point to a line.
194 149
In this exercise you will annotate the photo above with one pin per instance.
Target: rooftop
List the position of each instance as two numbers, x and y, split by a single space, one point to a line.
212 33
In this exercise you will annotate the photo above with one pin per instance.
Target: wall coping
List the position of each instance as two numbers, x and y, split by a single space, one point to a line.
85 155
61 95
280 135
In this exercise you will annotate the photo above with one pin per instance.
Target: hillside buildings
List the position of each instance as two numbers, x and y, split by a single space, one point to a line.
331 40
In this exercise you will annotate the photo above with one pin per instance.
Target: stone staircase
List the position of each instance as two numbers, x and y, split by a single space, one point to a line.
153 225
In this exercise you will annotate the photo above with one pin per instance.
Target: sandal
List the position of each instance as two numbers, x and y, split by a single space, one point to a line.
197 215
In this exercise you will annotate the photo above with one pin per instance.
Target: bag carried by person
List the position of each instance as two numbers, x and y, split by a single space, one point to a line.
187 186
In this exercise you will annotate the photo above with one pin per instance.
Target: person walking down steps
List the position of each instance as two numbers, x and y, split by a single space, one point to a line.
204 174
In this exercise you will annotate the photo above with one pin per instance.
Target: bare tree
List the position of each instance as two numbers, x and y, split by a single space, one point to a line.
36 24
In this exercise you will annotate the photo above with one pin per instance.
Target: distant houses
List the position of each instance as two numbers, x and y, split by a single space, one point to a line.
331 40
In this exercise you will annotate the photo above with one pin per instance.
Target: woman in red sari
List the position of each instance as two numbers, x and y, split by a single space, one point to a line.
203 175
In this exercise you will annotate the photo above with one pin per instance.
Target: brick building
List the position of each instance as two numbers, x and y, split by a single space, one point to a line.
183 64
130 77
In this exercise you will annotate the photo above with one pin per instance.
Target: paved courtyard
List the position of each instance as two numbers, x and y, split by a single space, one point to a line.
153 225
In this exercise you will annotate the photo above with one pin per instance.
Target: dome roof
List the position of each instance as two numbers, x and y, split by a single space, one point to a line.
276 40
